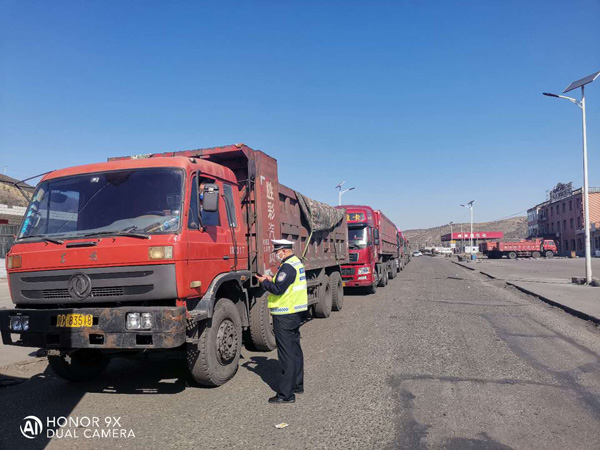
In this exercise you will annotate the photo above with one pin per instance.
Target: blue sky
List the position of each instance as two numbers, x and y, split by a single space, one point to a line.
420 105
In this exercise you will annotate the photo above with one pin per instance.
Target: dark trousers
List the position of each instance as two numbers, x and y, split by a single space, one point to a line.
289 352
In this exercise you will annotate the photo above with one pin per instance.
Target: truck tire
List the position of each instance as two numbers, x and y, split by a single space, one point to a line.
261 325
371 289
384 278
325 303
393 270
512 255
536 254
214 359
549 254
81 365
337 291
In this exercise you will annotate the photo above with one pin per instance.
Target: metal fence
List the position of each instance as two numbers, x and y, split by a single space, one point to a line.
7 237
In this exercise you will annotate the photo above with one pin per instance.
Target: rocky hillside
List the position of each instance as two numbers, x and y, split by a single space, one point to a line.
10 195
513 228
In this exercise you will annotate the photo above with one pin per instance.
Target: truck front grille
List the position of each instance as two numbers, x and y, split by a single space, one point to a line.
117 291
347 271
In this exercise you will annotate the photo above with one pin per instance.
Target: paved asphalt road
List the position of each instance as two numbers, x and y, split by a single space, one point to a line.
441 358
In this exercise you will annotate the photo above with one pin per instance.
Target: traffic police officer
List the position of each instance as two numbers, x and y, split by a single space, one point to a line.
288 298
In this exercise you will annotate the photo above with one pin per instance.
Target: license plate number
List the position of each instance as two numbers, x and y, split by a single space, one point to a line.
74 320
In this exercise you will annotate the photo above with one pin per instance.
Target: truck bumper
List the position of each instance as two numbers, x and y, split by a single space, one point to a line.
108 330
351 278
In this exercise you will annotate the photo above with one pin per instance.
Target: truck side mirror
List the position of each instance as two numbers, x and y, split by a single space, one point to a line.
375 236
210 201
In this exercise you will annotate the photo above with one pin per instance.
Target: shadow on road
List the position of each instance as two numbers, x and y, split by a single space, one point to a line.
267 369
45 395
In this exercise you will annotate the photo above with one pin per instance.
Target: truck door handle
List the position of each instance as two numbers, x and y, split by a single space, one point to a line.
226 257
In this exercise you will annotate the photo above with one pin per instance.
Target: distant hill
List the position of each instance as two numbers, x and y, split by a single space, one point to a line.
10 195
514 228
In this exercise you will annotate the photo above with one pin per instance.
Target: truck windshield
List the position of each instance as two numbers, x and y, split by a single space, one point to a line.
357 237
135 201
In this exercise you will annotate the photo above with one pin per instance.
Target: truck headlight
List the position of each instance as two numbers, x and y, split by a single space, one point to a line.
133 321
364 270
146 321
139 321
164 252
19 323
13 262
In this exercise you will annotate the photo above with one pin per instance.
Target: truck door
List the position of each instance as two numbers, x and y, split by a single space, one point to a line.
209 242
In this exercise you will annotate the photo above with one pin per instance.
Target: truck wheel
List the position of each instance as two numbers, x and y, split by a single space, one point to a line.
261 325
214 359
323 307
549 254
512 255
536 254
337 291
373 288
392 270
384 278
79 365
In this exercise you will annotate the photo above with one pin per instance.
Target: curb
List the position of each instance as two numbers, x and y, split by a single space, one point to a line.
566 308
459 264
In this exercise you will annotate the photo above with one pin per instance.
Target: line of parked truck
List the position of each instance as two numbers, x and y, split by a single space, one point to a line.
157 254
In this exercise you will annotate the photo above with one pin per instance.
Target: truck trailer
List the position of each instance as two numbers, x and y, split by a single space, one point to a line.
374 248
528 248
157 254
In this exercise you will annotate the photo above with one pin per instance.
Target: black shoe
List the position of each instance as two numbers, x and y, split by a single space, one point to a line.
277 399
299 391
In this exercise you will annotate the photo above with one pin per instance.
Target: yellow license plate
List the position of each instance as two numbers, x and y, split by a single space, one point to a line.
343 284
74 320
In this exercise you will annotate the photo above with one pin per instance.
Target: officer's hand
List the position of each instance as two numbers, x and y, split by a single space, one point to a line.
262 278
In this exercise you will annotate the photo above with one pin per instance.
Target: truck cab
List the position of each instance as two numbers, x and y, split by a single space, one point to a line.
363 243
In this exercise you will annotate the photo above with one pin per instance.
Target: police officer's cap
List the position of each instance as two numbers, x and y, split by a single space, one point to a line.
282 244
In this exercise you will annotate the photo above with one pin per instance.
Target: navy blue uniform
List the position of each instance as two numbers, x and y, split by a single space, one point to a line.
287 336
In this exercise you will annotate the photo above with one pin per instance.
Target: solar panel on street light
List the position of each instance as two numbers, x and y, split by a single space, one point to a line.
582 82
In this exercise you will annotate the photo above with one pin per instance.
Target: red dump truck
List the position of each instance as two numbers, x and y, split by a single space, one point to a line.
374 248
157 253
530 248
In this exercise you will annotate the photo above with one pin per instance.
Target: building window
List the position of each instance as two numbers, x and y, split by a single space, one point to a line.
564 207
570 205
571 221
558 226
579 244
566 246
564 224
552 226
572 244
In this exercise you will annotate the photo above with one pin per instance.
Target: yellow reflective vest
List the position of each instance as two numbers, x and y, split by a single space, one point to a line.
295 298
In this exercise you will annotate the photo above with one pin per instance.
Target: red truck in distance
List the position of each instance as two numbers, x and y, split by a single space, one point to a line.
156 253
374 248
526 248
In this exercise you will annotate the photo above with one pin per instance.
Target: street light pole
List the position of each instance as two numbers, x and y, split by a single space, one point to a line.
586 199
451 223
586 191
340 192
470 206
